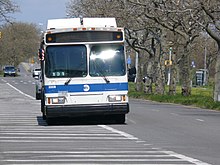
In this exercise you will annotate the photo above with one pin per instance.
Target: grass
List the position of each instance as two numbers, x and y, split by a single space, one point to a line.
200 97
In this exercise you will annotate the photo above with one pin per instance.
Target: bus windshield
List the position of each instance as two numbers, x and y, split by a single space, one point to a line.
107 60
66 61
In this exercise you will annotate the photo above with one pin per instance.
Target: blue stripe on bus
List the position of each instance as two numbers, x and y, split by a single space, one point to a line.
87 87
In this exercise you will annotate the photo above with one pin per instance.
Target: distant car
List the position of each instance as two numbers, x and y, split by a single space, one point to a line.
9 71
36 73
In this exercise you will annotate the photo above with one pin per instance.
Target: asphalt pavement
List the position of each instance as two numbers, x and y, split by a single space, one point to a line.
155 133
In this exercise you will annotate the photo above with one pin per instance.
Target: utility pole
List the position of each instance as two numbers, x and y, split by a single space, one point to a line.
205 67
169 71
136 65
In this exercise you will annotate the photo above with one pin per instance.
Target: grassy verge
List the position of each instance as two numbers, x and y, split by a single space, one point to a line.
200 97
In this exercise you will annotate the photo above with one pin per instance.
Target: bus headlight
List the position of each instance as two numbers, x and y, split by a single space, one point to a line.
116 98
56 100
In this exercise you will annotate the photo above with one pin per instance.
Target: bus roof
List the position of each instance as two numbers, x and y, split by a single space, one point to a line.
78 22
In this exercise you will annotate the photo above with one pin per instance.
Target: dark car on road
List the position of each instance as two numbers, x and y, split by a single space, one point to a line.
9 71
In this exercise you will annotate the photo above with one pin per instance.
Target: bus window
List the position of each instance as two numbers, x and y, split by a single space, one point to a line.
66 61
107 60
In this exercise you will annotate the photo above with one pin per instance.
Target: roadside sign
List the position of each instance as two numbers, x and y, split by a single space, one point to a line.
129 60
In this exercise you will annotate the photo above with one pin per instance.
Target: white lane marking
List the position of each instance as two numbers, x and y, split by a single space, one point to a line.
200 120
140 141
61 134
85 152
63 138
107 156
99 164
183 157
171 153
4 80
174 114
128 136
98 160
132 121
155 110
21 92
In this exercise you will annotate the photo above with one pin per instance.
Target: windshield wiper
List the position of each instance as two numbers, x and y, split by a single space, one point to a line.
101 72
68 81
106 79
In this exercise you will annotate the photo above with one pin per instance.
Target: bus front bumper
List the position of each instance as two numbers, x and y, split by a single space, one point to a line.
86 110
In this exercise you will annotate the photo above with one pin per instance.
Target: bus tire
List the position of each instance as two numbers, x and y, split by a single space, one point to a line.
43 106
44 116
38 96
120 119
51 121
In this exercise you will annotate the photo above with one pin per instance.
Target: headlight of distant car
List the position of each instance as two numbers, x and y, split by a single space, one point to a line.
56 100
116 98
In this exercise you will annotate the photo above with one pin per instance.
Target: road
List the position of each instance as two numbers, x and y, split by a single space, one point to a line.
154 133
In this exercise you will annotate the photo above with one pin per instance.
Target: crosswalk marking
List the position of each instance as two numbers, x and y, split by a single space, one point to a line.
131 137
98 160
26 139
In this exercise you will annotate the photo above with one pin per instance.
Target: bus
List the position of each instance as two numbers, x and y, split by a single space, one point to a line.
83 69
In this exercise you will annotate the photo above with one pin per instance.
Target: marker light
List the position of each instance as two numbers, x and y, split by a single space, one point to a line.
118 36
49 39
56 100
116 98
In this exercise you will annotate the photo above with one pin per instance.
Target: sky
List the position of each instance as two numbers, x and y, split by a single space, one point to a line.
39 11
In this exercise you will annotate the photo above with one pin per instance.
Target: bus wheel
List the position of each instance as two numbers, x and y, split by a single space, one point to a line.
44 116
51 121
38 96
43 107
120 119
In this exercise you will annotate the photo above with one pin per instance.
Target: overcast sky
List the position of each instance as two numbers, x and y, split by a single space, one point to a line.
39 11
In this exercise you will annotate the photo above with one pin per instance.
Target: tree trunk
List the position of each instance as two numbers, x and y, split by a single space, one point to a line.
148 76
160 80
160 74
217 77
139 77
186 81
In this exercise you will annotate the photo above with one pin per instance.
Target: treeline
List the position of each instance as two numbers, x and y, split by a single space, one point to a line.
186 29
18 41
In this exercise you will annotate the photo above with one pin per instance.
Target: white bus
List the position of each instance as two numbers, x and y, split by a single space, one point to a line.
84 72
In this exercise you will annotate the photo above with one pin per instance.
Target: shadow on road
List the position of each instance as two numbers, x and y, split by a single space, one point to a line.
92 120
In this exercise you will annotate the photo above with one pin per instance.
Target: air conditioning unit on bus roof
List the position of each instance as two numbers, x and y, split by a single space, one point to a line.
78 22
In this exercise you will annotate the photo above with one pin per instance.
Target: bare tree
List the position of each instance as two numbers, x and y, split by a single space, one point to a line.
7 7
142 36
176 17
208 18
19 42
186 19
